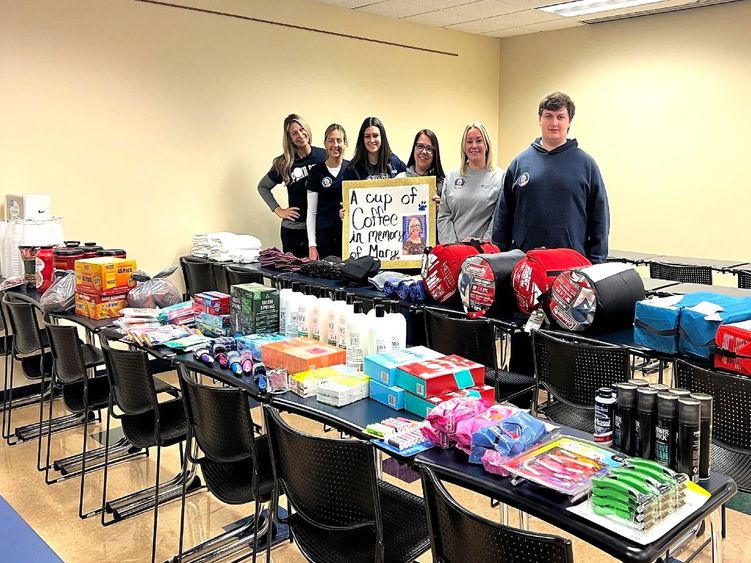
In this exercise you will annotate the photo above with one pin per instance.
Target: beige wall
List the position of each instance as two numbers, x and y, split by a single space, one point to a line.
148 124
662 105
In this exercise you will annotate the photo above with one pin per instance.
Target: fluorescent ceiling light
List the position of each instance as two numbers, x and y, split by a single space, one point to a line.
583 7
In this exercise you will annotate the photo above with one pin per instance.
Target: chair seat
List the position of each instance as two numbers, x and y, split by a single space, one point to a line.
577 417
405 533
30 366
99 393
139 429
232 482
92 356
733 464
164 387
509 378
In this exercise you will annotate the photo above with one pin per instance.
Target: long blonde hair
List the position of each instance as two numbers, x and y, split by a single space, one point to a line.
488 155
283 163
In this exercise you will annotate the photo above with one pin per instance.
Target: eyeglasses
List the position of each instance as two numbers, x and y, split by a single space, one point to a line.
427 148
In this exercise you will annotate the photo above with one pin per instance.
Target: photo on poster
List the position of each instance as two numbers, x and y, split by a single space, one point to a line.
413 235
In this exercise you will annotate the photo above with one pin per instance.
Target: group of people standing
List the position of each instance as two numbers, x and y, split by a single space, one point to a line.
552 194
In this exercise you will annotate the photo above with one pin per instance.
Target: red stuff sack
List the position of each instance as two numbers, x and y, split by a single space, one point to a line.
733 351
533 275
441 266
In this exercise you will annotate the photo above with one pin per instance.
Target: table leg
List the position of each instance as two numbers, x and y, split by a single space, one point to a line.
503 513
523 521
715 528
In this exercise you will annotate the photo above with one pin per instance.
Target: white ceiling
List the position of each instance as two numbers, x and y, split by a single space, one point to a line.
500 18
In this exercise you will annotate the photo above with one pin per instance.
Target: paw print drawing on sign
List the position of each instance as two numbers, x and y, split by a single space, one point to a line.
422 205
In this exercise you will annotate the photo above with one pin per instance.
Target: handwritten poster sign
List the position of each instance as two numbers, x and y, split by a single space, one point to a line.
393 220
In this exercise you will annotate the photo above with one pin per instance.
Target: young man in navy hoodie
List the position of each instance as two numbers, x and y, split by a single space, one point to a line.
553 195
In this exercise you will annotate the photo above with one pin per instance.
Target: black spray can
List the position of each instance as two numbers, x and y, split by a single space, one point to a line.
646 402
689 437
666 429
625 415
659 386
680 391
639 382
604 413
705 443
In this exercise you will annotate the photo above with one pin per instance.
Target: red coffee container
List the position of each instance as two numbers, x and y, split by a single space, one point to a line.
65 258
112 253
45 268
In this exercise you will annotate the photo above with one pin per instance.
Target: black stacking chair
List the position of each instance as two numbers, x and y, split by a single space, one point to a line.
571 369
31 348
220 277
235 463
744 279
145 423
237 276
681 273
731 420
341 511
198 275
476 340
457 535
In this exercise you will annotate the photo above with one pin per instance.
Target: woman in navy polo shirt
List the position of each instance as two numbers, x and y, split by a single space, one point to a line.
292 167
325 197
373 157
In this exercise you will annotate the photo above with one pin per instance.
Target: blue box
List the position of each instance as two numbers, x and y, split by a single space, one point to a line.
382 367
391 396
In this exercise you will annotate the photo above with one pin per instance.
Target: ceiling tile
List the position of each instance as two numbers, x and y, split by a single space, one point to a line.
346 3
510 32
482 9
555 24
441 17
398 8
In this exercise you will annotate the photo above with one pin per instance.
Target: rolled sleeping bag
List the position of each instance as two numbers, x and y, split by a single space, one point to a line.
599 297
485 283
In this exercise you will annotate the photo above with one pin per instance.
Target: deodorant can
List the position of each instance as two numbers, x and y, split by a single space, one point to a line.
639 382
666 429
646 402
705 439
604 412
625 414
680 392
689 437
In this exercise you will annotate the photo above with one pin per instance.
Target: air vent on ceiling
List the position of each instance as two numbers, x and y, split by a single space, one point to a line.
663 10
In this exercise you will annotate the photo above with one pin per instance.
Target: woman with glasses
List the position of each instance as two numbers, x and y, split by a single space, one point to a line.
292 168
471 191
425 159
373 157
325 197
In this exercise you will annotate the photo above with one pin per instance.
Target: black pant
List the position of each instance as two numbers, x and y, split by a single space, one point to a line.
329 241
295 241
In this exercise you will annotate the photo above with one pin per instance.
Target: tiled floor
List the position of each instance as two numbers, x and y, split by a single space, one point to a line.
52 510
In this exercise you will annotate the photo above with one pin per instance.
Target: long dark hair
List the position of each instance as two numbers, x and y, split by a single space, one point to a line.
360 160
436 169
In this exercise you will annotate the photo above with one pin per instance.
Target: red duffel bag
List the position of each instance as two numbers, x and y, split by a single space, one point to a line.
535 272
733 351
442 263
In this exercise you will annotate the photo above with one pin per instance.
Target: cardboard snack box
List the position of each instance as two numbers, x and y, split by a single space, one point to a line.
99 306
104 274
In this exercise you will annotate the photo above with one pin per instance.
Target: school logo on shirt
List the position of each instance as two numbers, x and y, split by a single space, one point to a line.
524 179
459 182
326 182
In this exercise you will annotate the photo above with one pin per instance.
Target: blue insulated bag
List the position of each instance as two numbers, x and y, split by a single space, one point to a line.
699 322
656 320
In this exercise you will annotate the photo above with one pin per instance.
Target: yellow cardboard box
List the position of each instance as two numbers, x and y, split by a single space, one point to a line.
104 274
100 306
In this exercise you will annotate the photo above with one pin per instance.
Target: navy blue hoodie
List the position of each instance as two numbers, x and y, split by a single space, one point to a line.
553 199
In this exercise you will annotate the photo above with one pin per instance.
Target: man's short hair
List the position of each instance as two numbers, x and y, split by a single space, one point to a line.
556 101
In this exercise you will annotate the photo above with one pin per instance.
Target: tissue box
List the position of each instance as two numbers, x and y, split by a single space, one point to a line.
96 275
383 366
390 395
254 308
306 383
212 302
428 378
254 343
343 390
421 406
301 354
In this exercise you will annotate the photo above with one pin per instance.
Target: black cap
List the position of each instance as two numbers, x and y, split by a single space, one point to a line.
689 410
380 310
680 391
296 286
706 404
394 306
646 399
625 394
357 306
606 392
639 382
351 299
667 405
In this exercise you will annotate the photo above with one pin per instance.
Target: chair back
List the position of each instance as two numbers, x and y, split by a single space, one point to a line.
474 339
572 370
198 275
22 317
330 483
457 535
682 274
131 380
731 408
219 419
236 276
68 362
744 279
220 277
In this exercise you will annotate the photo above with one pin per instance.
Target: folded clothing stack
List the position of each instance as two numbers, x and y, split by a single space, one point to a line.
226 247
282 261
